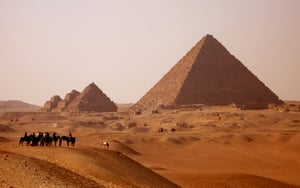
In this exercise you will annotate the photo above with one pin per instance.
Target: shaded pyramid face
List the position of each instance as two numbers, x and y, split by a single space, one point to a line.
92 99
208 74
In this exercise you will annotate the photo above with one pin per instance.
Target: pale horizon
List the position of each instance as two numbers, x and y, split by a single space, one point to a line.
51 47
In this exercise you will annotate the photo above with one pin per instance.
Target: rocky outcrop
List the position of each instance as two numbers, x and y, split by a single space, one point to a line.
208 74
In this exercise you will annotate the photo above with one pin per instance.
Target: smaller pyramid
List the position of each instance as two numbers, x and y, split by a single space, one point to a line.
62 105
51 105
92 99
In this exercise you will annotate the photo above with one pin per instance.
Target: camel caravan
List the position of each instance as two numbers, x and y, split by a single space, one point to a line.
45 139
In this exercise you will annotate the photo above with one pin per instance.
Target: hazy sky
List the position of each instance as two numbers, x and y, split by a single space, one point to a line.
50 47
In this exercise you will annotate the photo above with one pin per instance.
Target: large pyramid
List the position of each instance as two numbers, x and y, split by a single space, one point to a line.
92 99
208 74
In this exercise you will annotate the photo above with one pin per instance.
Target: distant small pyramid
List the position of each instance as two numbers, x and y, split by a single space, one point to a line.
208 74
92 99
51 105
62 105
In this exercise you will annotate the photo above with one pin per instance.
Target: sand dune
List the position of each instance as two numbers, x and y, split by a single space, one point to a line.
23 171
123 148
17 106
230 180
93 167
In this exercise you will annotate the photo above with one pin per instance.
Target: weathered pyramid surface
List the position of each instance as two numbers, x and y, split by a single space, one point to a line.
208 74
51 105
92 99
62 105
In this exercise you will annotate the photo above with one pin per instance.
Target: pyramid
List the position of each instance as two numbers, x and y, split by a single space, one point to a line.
208 74
51 105
62 105
92 99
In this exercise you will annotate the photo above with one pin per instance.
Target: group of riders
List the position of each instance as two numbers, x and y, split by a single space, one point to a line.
45 139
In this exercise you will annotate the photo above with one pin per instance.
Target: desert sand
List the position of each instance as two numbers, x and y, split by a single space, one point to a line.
211 147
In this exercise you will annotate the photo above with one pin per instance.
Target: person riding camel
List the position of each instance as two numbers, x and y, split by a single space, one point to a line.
70 134
25 135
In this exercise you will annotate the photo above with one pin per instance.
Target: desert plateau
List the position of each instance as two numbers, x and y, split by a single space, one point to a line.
187 147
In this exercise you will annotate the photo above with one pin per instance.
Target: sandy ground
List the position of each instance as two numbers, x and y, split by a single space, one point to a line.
214 147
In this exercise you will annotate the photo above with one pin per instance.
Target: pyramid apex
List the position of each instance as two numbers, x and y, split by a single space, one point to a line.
92 84
208 36
207 39
91 87
74 91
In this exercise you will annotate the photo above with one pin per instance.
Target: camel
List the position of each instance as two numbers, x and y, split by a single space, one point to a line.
105 144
